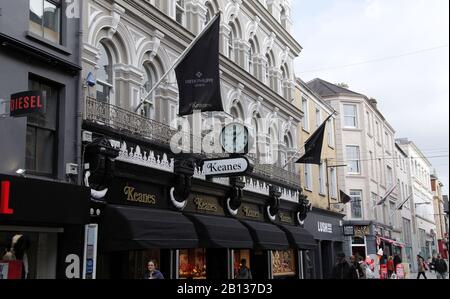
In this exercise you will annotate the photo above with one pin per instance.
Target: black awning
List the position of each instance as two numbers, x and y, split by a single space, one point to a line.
267 236
299 237
131 228
221 232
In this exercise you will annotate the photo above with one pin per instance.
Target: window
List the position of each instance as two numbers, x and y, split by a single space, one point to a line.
250 58
180 11
389 176
45 19
104 75
231 38
372 165
322 179
377 124
392 214
41 146
373 198
283 17
368 123
407 231
308 181
333 187
350 116
387 142
305 120
356 203
318 118
353 160
268 65
380 172
209 12
331 132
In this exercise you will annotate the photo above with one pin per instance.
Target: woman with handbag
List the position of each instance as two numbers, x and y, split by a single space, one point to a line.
421 265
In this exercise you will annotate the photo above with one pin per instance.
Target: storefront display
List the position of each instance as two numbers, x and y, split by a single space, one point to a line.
283 264
238 256
192 264
138 260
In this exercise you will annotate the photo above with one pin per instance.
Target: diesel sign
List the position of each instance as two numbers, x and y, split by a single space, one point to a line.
227 167
27 102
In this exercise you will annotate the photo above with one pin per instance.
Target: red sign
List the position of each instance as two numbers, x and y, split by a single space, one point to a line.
10 270
27 102
4 199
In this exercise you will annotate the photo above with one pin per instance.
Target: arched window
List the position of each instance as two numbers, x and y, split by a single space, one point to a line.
283 17
150 78
267 66
209 12
179 11
231 37
104 74
254 133
236 111
251 57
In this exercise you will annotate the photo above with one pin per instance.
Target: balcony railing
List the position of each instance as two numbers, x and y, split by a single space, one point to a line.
128 122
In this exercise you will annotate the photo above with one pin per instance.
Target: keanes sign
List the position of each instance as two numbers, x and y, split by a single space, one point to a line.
227 167
28 102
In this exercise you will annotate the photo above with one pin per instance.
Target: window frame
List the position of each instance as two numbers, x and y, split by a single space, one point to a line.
353 196
351 160
354 117
59 4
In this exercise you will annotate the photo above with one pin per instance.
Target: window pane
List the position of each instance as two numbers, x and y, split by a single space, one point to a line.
52 17
353 159
30 158
36 16
45 149
104 64
356 204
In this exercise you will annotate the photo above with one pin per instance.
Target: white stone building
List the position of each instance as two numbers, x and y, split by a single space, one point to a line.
365 143
424 224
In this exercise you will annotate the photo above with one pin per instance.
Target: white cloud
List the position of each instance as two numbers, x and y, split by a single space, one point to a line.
412 90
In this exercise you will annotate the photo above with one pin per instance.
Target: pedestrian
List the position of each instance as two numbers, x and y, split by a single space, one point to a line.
390 266
342 269
421 266
441 267
152 272
397 260
243 272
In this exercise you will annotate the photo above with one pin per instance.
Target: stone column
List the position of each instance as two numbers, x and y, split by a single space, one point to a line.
195 16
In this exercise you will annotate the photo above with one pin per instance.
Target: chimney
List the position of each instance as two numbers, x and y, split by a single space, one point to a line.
374 103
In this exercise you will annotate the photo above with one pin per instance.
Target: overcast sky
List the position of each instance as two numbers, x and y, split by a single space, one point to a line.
407 42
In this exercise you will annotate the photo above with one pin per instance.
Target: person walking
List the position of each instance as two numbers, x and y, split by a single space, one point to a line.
390 266
243 272
152 272
343 270
440 265
421 266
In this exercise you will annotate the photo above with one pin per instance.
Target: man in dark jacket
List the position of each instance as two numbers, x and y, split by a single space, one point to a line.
343 270
152 273
243 271
441 268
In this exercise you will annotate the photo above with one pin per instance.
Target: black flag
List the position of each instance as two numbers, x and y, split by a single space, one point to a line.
344 197
198 74
313 146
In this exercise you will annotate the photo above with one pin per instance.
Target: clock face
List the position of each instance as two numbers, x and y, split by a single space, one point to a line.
235 139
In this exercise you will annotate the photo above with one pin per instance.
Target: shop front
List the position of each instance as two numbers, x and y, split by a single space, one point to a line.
360 239
42 226
327 229
200 241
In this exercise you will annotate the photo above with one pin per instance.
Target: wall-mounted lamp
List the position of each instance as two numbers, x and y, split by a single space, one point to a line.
90 80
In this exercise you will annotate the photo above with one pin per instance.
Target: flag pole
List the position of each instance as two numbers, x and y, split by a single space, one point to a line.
177 62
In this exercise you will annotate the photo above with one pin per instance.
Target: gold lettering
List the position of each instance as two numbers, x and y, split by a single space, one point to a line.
134 196
285 218
250 213
203 205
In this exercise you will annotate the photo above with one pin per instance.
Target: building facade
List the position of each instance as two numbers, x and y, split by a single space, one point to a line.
439 215
127 47
406 205
424 223
40 202
365 143
320 183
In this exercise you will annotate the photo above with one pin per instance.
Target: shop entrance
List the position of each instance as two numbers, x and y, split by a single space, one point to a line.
217 264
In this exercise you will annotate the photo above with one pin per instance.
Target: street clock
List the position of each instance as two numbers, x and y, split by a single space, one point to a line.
235 139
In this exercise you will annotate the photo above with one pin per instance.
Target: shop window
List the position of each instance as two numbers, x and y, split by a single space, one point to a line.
45 19
192 264
27 256
41 152
283 264
240 255
308 265
138 260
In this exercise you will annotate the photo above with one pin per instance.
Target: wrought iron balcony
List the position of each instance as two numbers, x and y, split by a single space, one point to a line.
131 123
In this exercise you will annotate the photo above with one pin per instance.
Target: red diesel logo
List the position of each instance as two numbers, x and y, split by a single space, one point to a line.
4 198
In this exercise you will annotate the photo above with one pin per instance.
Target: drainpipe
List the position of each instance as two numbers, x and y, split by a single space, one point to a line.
80 100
